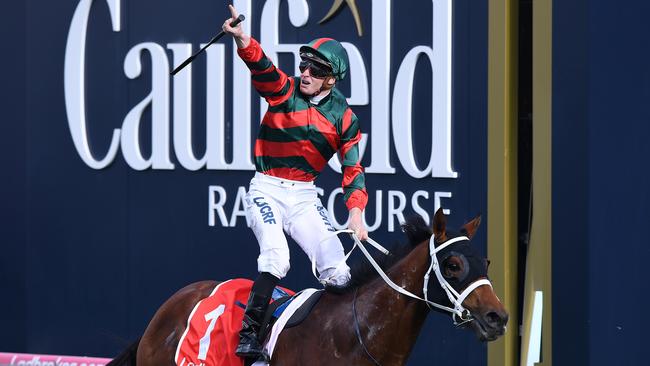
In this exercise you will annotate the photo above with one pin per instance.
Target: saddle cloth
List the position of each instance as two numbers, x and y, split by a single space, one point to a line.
212 332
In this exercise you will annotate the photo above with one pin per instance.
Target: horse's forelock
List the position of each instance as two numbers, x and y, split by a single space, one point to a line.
417 230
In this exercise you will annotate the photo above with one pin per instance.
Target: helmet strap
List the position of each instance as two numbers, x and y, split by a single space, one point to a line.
326 86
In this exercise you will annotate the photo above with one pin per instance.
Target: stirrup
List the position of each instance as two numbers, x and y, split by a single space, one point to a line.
260 356
249 346
247 351
264 358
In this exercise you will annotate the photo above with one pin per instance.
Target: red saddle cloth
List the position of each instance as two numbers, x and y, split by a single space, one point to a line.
213 327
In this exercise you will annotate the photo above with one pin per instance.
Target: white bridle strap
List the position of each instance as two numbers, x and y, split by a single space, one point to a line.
433 249
435 267
472 287
455 298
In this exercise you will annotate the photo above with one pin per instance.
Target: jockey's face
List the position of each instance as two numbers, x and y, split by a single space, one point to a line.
310 85
315 76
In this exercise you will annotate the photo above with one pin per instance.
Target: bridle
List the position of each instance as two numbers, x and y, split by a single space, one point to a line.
454 297
460 314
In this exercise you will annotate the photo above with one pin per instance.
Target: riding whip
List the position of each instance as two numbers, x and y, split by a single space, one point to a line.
189 60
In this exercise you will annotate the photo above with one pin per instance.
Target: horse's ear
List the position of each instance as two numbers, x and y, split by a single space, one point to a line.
440 225
471 227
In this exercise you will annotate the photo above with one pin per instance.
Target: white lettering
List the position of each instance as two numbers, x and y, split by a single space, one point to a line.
182 103
416 206
158 99
241 96
215 203
395 211
45 360
216 107
238 209
358 76
387 116
380 110
440 161
74 83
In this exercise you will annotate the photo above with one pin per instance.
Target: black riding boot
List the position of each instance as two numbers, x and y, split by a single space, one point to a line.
258 301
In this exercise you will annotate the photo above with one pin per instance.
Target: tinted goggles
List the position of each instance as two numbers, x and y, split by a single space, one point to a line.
316 68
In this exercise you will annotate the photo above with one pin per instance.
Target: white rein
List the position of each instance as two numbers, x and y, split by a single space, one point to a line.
454 297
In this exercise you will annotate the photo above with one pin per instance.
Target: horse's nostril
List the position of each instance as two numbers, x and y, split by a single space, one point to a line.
496 320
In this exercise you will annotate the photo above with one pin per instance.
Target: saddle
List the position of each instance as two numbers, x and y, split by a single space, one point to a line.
281 300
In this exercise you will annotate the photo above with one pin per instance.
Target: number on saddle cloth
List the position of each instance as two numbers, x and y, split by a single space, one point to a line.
212 333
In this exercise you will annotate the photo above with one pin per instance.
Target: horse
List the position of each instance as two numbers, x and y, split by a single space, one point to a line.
369 321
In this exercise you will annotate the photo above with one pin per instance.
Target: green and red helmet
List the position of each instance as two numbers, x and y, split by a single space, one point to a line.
331 51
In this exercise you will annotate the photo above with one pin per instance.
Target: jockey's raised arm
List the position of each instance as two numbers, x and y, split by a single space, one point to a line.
269 81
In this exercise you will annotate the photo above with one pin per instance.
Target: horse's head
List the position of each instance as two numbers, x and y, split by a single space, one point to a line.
465 271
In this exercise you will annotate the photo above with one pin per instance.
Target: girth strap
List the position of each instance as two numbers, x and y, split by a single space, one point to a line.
357 330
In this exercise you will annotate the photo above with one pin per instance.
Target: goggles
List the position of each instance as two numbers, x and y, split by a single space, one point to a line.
318 68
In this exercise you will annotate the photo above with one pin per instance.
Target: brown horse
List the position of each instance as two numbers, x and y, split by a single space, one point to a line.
367 322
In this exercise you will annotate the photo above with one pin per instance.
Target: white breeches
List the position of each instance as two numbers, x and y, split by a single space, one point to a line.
275 206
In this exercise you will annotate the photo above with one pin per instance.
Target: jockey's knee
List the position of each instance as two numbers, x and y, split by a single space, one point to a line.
335 277
275 261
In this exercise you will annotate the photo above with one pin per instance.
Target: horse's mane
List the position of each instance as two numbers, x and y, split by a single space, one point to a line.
416 230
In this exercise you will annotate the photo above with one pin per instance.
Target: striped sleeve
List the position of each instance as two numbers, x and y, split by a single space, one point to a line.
272 84
354 185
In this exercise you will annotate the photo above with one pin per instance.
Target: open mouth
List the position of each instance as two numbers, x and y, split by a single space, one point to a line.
305 82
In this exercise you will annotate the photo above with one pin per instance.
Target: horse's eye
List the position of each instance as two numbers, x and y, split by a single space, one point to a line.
454 267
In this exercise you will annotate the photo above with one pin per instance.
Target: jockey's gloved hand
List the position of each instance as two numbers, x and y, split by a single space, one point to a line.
355 223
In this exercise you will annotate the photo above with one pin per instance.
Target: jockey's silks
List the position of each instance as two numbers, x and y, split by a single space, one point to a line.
297 138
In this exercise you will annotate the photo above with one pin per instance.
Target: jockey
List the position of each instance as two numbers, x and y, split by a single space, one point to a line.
307 122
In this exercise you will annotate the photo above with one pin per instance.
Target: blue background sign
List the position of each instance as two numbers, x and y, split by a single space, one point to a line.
125 184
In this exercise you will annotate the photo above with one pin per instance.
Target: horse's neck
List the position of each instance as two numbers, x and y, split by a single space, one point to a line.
393 321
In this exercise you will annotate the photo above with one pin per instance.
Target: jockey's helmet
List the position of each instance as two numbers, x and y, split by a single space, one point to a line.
331 51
